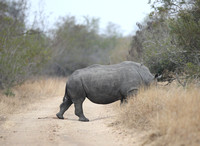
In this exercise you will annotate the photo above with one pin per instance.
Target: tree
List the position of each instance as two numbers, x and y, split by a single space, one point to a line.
169 40
77 45
22 51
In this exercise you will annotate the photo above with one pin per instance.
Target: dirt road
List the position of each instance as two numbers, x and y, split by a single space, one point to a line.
38 125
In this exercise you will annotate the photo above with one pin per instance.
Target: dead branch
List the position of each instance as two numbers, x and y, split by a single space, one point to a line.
179 81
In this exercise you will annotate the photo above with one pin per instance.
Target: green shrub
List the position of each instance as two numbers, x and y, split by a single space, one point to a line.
22 52
169 39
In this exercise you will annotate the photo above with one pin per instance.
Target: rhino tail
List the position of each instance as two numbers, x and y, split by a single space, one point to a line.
66 95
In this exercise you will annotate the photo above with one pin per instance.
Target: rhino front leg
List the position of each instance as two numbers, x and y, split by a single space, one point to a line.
123 100
130 93
63 107
79 112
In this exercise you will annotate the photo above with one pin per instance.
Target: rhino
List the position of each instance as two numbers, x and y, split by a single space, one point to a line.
103 84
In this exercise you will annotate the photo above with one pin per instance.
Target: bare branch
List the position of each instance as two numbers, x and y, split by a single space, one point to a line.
178 79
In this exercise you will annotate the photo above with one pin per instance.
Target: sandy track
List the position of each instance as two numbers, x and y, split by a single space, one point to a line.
38 125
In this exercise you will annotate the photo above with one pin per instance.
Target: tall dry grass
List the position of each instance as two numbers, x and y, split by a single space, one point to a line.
31 91
170 115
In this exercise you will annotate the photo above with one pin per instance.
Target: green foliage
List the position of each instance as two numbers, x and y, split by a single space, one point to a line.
152 46
21 53
169 39
192 69
8 92
77 45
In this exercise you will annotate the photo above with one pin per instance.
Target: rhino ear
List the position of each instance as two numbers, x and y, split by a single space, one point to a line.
157 76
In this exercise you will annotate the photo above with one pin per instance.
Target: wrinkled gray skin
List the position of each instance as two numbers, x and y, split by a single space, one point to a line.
103 84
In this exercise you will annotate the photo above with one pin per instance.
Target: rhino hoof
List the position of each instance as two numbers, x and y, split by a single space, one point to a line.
59 116
83 119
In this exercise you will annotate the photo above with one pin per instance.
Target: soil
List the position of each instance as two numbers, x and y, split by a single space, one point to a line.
38 125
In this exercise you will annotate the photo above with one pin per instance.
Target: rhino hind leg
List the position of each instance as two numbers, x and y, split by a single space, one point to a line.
63 107
79 112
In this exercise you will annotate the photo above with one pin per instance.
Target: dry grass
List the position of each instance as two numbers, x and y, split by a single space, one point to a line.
31 91
170 115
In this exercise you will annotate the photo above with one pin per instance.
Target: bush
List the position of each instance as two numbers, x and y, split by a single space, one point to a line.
169 40
77 45
22 51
